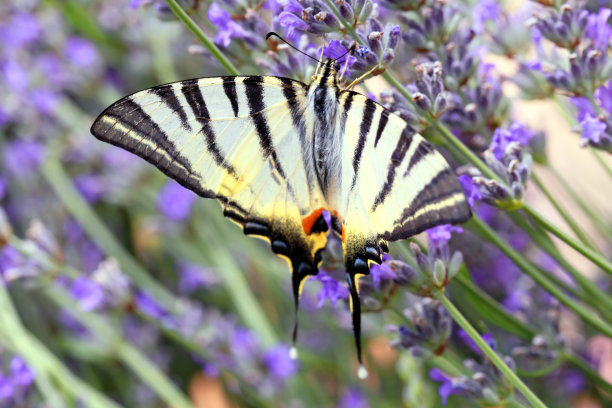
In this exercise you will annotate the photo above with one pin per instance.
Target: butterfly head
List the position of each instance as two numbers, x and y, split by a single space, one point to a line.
326 73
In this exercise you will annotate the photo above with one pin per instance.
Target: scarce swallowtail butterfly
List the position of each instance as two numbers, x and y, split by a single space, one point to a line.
276 153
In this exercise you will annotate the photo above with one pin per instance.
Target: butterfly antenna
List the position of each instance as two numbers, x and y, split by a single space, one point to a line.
346 62
273 34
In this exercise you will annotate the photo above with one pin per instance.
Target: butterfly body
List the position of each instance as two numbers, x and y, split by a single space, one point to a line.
276 153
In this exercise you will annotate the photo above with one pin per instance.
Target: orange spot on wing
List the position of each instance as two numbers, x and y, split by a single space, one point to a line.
343 235
309 220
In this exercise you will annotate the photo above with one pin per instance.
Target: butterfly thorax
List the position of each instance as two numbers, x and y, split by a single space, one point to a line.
326 136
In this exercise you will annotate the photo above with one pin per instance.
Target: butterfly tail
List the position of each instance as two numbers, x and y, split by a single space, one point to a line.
354 270
300 273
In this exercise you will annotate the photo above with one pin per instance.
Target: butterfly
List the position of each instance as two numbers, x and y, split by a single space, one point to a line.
276 153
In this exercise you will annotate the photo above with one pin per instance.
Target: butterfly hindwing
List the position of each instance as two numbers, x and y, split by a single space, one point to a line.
395 185
236 139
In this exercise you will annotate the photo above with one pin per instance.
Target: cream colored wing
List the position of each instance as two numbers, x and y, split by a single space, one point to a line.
236 139
394 185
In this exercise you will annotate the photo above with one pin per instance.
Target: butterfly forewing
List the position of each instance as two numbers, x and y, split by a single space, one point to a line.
237 139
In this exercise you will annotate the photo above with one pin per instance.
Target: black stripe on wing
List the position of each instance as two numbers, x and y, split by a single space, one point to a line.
125 124
167 95
364 129
255 96
397 157
229 87
193 95
382 123
441 187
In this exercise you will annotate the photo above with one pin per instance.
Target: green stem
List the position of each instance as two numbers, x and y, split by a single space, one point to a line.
200 35
503 318
541 279
57 178
42 361
595 219
602 162
568 219
587 252
128 354
247 306
592 293
488 351
526 332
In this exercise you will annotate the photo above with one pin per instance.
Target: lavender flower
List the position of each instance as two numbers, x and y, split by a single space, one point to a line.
484 11
506 157
279 364
23 156
330 289
593 130
453 386
228 28
588 70
440 235
431 329
194 277
175 201
14 266
598 31
14 386
431 97
502 138
81 52
87 293
353 398
565 27
486 386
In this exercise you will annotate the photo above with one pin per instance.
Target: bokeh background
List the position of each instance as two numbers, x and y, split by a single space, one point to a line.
122 288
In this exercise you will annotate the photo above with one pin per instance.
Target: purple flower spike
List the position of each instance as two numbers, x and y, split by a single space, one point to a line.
487 337
380 273
292 23
81 52
87 293
483 11
604 95
228 28
583 105
175 201
503 137
91 186
440 235
353 398
21 31
21 373
148 306
338 52
446 389
6 388
598 30
331 289
592 128
194 277
280 365
23 156
472 191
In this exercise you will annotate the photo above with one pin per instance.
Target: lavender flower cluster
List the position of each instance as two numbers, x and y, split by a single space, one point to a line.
121 288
